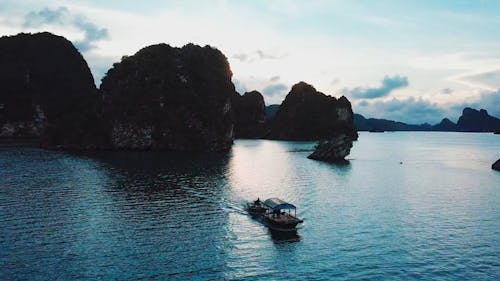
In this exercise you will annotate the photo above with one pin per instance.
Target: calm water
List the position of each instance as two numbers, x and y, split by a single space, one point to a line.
181 216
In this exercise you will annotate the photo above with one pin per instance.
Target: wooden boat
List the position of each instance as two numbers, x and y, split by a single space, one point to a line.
256 207
278 215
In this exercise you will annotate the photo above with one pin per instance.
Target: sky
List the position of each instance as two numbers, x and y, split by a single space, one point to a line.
411 61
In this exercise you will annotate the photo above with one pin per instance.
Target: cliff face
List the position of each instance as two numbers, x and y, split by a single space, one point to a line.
43 79
307 114
249 115
477 121
170 98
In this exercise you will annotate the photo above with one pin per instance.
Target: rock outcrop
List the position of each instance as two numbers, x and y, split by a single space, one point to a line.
249 115
496 165
170 98
446 125
477 121
333 150
44 81
307 114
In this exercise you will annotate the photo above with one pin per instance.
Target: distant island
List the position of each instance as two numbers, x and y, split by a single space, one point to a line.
472 120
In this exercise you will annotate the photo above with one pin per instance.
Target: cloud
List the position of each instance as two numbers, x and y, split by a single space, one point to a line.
240 88
274 78
63 17
363 103
256 55
488 80
411 110
274 89
388 85
334 81
241 57
417 110
262 55
447 91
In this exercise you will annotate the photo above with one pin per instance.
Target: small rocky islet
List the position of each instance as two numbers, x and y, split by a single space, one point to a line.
496 166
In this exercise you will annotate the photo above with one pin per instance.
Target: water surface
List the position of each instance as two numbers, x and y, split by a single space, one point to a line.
413 205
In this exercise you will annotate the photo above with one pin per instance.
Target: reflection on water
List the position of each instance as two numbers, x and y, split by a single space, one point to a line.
288 236
150 215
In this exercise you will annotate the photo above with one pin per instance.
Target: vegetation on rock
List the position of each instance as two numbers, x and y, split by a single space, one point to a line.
307 114
170 98
249 115
45 89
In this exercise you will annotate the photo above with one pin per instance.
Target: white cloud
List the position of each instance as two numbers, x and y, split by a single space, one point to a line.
411 110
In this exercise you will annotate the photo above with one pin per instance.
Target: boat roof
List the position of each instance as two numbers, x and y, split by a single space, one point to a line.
278 204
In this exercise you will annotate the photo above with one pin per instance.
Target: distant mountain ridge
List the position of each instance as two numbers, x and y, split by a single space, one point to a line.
471 120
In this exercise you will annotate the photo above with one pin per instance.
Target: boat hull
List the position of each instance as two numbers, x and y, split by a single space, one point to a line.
254 209
289 225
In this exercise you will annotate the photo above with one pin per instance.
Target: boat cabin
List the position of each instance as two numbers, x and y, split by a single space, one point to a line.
277 207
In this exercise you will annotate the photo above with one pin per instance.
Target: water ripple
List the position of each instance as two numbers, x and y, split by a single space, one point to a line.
182 216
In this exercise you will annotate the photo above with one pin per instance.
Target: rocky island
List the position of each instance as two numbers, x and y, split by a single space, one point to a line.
249 115
170 98
307 114
473 120
46 89
333 150
160 98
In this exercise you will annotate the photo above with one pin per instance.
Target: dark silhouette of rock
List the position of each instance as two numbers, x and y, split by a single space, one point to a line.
46 88
496 165
307 114
477 121
333 150
271 111
471 121
249 115
446 125
170 98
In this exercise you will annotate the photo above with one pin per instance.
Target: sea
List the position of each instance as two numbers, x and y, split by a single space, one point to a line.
405 206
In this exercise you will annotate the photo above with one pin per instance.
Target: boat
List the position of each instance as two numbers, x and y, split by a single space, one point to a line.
256 207
278 215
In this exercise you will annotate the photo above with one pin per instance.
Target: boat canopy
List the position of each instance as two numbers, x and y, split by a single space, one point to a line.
277 204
